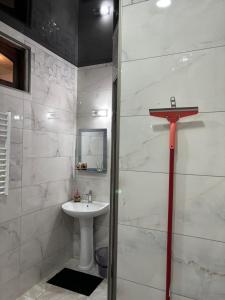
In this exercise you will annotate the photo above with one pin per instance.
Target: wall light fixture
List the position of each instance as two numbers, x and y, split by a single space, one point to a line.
163 3
99 112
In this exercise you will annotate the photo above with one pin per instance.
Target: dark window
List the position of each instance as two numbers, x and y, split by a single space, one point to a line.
14 64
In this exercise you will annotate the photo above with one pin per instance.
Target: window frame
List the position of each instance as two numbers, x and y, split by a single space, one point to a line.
20 55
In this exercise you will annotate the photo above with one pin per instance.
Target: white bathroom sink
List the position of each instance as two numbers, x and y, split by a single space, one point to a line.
84 209
86 213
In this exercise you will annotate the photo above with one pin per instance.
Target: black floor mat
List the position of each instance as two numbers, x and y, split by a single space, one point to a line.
75 281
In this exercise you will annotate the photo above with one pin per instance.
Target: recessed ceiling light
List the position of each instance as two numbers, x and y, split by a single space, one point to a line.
163 3
105 10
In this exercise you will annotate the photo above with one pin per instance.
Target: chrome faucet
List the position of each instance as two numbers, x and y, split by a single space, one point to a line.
88 197
90 194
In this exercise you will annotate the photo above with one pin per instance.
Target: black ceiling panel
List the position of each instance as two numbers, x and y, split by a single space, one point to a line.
52 23
73 29
95 33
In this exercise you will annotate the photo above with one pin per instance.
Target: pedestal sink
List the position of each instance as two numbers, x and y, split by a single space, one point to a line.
86 213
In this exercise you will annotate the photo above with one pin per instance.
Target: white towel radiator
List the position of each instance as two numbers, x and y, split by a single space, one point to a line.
5 132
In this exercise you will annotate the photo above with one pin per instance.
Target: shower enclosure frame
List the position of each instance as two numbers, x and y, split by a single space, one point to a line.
114 178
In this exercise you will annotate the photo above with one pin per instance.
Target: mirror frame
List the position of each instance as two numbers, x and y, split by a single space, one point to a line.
104 131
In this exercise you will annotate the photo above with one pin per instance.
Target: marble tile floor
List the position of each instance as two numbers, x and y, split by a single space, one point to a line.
45 291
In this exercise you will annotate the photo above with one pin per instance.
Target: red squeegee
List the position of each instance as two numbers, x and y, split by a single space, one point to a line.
172 114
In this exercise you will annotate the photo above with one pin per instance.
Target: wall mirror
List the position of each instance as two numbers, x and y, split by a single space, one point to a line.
92 150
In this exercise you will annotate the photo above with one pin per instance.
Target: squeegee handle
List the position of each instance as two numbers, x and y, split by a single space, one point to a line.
170 210
170 226
172 135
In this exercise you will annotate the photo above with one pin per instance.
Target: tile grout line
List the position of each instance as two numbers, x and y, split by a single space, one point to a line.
176 173
149 286
172 54
31 212
21 199
46 157
47 131
134 3
174 233
44 182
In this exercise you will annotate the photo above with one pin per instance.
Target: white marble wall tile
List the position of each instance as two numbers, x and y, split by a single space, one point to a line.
35 224
51 242
16 151
16 136
198 203
51 93
133 291
55 240
36 117
41 170
47 144
13 93
94 90
157 33
45 195
103 220
94 123
31 254
101 236
9 265
29 278
15 106
53 68
58 259
15 175
9 235
31 226
10 289
34 257
149 151
87 101
143 199
198 265
141 256
76 238
94 79
199 268
16 154
99 185
10 206
195 78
